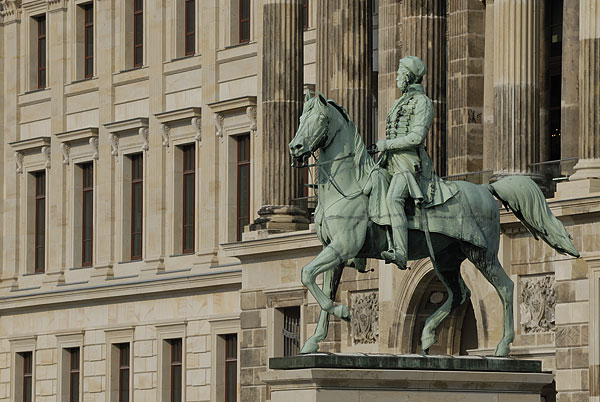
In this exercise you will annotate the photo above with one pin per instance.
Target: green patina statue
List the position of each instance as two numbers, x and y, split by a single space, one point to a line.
360 202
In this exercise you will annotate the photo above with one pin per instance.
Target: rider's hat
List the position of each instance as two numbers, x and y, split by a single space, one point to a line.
414 65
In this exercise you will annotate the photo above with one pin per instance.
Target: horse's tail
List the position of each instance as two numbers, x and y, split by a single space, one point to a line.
526 200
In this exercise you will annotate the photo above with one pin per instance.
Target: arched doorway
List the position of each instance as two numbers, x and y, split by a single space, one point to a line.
456 334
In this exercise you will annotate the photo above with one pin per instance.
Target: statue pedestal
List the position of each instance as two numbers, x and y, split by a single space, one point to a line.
414 378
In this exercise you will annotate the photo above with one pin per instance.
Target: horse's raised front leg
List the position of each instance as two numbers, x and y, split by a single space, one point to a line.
331 281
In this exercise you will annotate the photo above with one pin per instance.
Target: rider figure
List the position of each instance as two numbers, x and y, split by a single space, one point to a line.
407 124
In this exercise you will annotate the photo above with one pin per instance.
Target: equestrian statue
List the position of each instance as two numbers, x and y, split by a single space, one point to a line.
397 209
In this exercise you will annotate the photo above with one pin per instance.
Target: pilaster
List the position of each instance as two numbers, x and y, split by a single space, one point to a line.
466 26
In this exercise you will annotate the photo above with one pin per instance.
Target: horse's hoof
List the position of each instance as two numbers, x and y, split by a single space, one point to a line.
426 352
309 347
502 350
342 312
426 342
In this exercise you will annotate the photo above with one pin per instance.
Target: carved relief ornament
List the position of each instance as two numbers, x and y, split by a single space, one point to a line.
537 303
219 124
66 150
197 125
94 144
365 313
251 113
165 131
19 160
143 133
10 9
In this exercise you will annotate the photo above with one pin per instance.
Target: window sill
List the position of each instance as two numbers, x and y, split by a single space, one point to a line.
182 254
241 44
34 273
130 261
81 267
32 91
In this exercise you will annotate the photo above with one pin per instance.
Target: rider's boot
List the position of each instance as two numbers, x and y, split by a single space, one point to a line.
398 252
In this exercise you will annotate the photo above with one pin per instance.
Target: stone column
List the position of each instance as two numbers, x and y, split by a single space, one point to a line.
345 58
466 25
424 35
282 101
588 166
569 112
516 87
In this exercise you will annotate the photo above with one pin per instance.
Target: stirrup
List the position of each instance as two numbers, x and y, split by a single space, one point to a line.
394 256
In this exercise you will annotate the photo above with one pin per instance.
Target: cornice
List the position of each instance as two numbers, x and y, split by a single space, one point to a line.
232 105
30 144
178 114
81 134
119 127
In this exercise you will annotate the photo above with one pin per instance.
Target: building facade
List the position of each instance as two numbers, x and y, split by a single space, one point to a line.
154 232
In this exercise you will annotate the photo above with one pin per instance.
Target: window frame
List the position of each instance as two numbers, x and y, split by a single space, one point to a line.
39 267
188 173
41 37
27 374
173 364
187 32
136 12
84 191
135 181
230 356
124 347
74 357
242 20
305 15
242 140
88 29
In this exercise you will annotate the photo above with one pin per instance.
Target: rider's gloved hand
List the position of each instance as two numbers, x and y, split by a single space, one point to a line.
381 145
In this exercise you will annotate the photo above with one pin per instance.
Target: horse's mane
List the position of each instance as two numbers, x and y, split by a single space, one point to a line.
362 160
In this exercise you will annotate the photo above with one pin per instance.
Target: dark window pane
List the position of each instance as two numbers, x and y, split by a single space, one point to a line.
139 28
27 389
244 9
189 44
74 387
230 372
124 391
139 5
189 16
244 191
244 31
137 207
27 362
42 53
89 41
74 353
89 14
176 384
42 26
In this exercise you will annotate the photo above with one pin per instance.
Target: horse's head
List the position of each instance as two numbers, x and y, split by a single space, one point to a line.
312 132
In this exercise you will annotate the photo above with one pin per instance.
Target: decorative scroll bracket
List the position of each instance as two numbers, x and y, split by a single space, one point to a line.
19 159
143 133
251 113
197 124
66 150
219 124
94 144
114 144
165 131
46 153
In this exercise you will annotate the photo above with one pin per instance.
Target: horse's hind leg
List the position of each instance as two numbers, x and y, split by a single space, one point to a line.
496 275
448 271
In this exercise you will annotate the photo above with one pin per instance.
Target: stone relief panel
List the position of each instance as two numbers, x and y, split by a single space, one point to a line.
537 300
365 317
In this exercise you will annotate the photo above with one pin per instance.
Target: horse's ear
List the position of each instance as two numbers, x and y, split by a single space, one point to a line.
307 96
322 99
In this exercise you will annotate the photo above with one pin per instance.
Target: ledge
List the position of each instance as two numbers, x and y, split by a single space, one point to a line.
30 144
404 362
231 105
126 125
280 243
178 114
81 134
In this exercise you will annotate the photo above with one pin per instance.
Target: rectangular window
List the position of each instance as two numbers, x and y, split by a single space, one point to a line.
40 221
243 183
124 369
41 51
291 331
305 14
137 203
74 373
27 379
244 21
87 221
88 41
176 369
230 367
189 196
138 33
190 27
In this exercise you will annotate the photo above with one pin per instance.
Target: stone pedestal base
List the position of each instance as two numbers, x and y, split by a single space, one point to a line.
577 189
405 378
278 219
